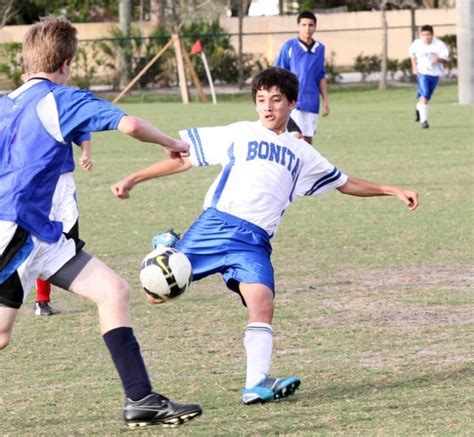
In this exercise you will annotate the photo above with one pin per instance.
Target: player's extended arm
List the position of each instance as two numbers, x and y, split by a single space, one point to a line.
324 91
363 188
145 131
167 167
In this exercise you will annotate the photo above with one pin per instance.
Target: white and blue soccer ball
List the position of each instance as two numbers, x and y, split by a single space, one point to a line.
165 273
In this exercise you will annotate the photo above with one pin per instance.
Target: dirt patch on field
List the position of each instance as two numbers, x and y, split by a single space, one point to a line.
386 279
398 297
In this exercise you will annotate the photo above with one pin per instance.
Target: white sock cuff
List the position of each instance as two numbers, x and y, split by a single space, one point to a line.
259 326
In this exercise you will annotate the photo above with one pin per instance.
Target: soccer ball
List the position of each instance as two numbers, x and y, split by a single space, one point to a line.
165 273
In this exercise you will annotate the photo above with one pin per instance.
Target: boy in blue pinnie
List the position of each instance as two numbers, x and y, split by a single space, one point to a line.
37 123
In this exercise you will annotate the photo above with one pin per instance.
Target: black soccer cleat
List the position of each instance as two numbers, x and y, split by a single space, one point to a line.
156 409
42 308
425 125
417 115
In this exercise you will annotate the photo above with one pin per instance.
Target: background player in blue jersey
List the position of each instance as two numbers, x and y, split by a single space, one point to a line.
65 210
428 54
37 123
305 57
264 168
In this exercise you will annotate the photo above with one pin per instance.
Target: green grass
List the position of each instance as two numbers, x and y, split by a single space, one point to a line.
373 307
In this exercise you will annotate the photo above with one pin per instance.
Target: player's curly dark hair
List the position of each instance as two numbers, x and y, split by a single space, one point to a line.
283 79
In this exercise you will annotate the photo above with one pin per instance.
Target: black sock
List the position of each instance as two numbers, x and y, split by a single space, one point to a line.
125 352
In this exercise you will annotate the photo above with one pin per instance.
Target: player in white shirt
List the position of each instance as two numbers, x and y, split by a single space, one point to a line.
428 54
264 168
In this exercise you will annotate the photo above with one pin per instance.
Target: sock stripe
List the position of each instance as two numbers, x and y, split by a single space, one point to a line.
259 329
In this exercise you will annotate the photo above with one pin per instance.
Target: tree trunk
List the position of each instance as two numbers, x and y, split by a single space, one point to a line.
125 20
6 12
125 16
281 8
383 72
413 22
157 12
241 56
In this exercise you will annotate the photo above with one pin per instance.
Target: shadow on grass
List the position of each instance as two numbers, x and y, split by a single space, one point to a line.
344 391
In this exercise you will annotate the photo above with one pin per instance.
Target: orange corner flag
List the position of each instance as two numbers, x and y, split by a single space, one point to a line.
197 47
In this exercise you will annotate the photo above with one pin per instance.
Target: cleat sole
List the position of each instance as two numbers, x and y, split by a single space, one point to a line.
286 391
168 423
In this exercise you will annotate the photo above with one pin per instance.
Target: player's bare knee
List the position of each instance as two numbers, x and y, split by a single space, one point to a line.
261 311
4 339
121 291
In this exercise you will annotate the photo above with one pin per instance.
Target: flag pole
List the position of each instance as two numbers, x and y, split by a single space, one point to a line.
209 77
197 48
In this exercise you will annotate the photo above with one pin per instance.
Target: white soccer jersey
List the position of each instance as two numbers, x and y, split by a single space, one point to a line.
262 172
423 53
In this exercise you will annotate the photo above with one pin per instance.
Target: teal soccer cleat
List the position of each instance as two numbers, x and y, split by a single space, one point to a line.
270 389
168 238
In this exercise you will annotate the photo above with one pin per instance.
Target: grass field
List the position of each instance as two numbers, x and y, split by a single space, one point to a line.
374 307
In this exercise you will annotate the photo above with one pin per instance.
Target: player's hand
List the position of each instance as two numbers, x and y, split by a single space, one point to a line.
326 109
178 156
409 198
85 162
179 146
122 189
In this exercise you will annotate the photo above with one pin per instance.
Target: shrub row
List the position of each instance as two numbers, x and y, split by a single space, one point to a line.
109 61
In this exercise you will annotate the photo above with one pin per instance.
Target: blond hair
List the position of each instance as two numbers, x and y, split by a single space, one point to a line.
48 44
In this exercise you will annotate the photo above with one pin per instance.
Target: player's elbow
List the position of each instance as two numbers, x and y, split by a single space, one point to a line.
130 125
346 187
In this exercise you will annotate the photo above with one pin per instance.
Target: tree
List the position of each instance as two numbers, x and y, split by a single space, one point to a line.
235 6
7 11
29 11
243 5
125 19
157 12
383 5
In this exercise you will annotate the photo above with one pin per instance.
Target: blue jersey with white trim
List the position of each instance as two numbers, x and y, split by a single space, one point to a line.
262 172
38 121
308 65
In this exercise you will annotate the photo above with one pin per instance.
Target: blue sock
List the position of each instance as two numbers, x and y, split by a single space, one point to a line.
125 352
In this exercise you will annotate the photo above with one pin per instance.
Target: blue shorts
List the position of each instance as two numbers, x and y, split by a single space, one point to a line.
218 242
426 85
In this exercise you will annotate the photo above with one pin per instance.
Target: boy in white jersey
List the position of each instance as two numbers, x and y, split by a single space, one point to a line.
263 169
428 54
37 123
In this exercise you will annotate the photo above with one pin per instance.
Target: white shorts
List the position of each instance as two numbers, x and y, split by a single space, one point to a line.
306 121
64 208
35 259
